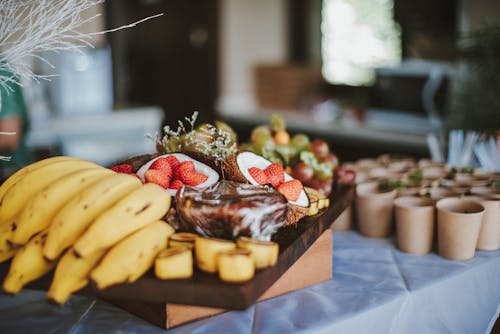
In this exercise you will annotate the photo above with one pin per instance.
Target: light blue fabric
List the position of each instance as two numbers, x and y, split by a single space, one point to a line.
375 289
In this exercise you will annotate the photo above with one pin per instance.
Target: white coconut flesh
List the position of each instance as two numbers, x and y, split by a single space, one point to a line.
199 167
247 160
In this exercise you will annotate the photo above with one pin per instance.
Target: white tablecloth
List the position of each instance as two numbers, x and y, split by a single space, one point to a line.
375 289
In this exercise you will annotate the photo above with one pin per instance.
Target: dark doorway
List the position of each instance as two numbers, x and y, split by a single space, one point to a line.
170 61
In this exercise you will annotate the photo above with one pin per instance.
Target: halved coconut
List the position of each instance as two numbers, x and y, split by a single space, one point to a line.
199 167
137 161
236 168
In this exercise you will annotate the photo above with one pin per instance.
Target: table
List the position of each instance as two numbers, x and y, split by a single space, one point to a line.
375 289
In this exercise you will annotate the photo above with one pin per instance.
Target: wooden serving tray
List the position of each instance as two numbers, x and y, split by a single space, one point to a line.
207 290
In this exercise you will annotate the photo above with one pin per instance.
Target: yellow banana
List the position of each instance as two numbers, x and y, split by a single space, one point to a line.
44 205
6 231
74 218
72 274
28 265
19 193
23 171
141 207
133 256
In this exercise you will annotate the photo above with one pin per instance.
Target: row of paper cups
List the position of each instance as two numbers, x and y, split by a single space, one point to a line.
462 223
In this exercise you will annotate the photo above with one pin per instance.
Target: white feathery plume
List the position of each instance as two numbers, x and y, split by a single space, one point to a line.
29 27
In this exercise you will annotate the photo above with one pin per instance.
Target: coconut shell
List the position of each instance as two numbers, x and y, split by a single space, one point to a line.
137 161
294 214
233 173
231 170
206 159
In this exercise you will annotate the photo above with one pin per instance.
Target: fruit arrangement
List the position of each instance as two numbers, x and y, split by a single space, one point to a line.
310 162
91 223
198 202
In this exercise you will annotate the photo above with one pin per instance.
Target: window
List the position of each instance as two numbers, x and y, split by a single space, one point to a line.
357 36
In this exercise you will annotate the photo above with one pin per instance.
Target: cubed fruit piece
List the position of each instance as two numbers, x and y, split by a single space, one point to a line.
275 174
122 168
258 175
235 265
174 263
291 189
158 177
163 165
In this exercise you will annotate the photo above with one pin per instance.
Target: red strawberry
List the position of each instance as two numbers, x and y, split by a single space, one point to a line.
258 175
275 174
177 184
184 169
164 165
173 161
194 179
158 177
122 168
291 189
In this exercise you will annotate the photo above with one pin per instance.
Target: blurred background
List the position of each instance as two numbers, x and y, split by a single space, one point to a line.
368 76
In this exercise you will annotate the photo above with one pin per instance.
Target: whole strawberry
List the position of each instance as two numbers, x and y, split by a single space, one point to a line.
158 177
184 169
275 174
291 189
258 175
122 168
163 164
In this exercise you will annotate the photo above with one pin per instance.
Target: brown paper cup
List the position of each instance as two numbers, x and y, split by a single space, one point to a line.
344 221
414 224
459 223
374 210
489 235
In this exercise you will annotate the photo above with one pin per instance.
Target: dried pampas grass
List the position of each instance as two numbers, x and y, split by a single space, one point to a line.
29 27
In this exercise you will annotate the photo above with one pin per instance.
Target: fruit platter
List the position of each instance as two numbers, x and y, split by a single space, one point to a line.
203 221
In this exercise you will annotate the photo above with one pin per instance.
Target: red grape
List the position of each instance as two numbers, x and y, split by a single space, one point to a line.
345 176
330 159
302 172
319 148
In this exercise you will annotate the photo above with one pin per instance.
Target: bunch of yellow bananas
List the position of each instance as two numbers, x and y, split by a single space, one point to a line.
83 219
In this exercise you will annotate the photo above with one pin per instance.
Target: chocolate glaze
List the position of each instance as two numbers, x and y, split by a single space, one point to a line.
230 209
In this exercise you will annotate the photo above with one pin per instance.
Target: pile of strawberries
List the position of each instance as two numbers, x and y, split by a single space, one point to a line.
274 174
169 173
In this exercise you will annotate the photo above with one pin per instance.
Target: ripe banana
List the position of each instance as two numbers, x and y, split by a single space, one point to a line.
19 193
235 265
23 171
141 207
6 231
72 274
174 263
206 250
28 265
133 256
44 205
74 218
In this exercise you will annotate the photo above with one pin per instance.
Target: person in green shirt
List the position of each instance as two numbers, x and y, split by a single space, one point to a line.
13 118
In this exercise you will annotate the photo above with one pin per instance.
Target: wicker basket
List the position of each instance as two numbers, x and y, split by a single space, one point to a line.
284 86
